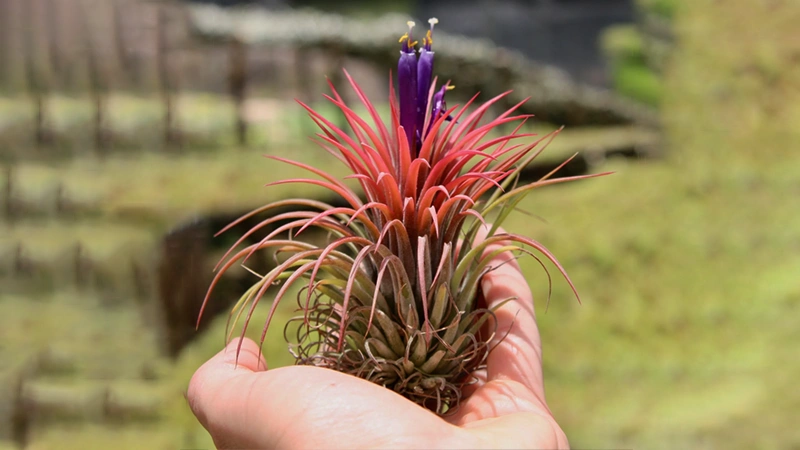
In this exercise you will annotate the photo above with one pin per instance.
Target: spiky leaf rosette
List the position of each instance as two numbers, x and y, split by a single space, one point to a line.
393 295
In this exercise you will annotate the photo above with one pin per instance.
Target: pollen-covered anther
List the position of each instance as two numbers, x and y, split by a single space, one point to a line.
410 44
428 40
406 39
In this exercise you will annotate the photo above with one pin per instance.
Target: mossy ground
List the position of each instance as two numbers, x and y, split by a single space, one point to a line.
688 266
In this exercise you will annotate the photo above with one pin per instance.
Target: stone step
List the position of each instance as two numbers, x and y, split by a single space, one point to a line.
91 402
54 255
29 405
73 380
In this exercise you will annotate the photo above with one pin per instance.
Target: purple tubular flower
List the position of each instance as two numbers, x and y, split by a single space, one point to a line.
424 76
439 106
407 88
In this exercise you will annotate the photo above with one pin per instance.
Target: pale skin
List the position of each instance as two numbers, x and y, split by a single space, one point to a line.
245 406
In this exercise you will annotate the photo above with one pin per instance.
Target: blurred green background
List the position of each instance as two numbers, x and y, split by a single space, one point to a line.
129 135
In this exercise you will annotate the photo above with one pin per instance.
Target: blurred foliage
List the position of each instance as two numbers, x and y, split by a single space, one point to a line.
638 52
361 9
638 82
631 76
663 8
625 43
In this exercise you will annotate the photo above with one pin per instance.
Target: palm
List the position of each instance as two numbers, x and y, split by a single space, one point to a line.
309 407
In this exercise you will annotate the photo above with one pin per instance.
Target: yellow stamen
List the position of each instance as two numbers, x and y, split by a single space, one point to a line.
405 36
411 24
429 35
450 87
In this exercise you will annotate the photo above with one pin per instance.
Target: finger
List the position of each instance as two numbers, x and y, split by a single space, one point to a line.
519 430
517 354
307 407
227 366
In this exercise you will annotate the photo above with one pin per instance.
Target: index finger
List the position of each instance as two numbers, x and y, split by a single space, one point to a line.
517 346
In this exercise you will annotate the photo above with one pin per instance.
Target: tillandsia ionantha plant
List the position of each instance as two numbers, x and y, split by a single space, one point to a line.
393 296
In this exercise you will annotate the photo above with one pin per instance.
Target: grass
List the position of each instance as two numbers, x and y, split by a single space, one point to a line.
663 8
638 82
44 240
686 306
98 346
163 189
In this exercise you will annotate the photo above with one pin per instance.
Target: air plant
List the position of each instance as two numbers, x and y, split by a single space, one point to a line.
393 295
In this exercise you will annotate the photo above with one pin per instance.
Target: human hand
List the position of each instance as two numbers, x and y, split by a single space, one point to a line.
244 406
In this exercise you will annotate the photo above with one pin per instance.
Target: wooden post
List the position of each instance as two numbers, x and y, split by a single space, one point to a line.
121 46
97 85
140 286
302 75
22 265
183 277
34 76
335 66
79 266
59 201
5 44
68 17
237 85
54 37
165 80
20 418
8 194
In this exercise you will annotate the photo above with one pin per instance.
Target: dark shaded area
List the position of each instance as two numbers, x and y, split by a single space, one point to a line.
188 255
564 33
183 276
20 420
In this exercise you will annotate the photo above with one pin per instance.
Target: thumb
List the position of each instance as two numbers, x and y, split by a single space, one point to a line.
218 391
304 407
